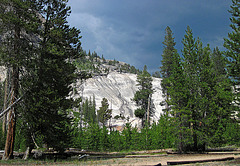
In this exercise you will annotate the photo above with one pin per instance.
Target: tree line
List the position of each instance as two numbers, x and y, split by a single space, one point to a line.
202 88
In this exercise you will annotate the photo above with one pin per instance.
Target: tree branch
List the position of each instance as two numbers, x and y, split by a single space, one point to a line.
6 110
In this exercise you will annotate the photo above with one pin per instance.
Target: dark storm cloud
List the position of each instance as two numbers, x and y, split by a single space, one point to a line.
133 30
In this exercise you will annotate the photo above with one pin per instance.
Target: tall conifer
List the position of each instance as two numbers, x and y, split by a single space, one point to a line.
143 96
233 50
196 66
166 69
18 28
52 74
177 102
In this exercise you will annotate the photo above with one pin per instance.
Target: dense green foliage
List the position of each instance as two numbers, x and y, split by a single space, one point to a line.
167 59
176 100
200 97
89 111
168 64
104 113
161 135
19 26
43 53
142 97
46 94
233 54
95 138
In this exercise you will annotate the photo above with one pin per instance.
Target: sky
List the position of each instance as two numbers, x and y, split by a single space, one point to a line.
132 31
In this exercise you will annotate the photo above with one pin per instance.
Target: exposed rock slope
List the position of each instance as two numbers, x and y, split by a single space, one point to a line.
119 89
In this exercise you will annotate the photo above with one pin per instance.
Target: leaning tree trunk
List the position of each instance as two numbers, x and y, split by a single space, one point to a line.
9 145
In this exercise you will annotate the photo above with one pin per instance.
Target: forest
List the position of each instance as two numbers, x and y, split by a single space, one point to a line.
43 57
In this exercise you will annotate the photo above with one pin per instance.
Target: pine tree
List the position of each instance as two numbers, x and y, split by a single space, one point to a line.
216 97
104 113
233 54
206 110
206 102
52 74
219 64
93 137
93 111
143 96
18 28
167 64
177 89
85 107
89 110
191 53
198 76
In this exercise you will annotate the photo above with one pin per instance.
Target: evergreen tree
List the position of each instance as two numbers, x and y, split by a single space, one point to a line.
93 111
233 54
191 53
18 28
195 73
216 96
104 113
104 139
46 100
85 107
167 64
209 95
206 91
89 111
143 96
93 137
116 140
127 136
164 133
219 64
177 89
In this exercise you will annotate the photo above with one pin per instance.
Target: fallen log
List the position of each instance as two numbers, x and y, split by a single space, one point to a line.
198 161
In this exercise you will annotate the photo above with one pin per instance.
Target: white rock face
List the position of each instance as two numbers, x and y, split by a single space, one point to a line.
119 90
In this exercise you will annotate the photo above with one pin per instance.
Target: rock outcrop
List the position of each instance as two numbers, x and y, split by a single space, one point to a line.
119 89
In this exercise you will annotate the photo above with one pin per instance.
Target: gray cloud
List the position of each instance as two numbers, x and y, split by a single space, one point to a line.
133 30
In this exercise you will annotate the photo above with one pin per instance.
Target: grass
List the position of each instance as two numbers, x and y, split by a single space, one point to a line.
40 162
116 161
19 162
108 161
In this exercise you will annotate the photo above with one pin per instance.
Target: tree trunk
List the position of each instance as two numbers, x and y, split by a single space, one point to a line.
195 143
148 111
180 145
8 154
5 102
14 53
9 146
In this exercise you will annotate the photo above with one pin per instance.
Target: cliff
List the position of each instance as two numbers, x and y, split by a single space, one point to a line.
119 89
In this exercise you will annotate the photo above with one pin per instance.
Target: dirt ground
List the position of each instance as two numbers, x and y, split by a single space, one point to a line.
154 160
150 160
